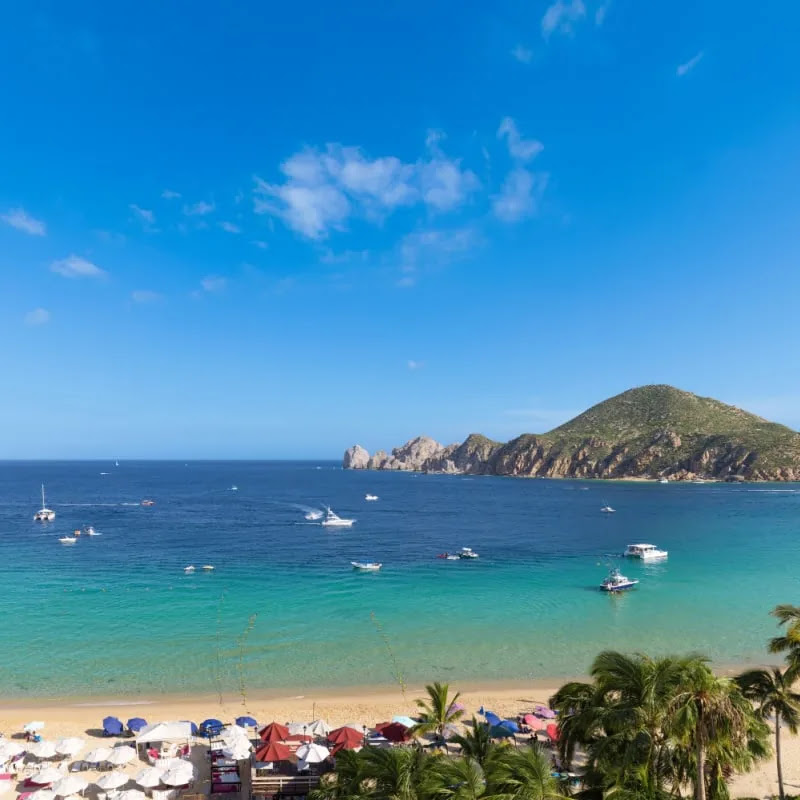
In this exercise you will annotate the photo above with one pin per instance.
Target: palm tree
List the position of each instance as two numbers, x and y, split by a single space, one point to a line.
394 774
772 692
476 743
455 779
521 774
348 782
790 642
437 712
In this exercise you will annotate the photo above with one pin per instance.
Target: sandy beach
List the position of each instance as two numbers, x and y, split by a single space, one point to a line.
82 716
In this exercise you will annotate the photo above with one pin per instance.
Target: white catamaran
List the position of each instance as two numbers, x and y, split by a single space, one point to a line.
44 514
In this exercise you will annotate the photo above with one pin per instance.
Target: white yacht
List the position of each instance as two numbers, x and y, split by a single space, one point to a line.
366 566
44 514
664 480
617 582
370 497
467 552
208 567
647 552
189 570
608 510
68 539
335 521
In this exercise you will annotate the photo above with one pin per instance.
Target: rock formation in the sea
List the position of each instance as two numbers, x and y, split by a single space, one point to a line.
649 432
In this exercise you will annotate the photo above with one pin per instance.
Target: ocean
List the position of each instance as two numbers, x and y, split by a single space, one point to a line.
115 615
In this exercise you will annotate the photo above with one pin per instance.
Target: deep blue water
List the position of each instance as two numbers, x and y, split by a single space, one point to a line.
115 614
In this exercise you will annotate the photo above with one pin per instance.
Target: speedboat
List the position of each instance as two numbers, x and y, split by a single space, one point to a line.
449 556
188 570
663 480
370 497
616 582
608 510
366 566
234 488
313 515
647 552
208 567
335 521
148 502
467 552
44 514
90 531
68 539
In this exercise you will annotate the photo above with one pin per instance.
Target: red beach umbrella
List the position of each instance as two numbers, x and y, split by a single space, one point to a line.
395 732
346 736
346 746
273 751
381 725
552 731
274 732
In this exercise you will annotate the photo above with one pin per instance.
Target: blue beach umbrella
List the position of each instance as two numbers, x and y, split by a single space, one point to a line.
136 724
112 726
209 726
492 718
246 722
500 732
193 726
510 725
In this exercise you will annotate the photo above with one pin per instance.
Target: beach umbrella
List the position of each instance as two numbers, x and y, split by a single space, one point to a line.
395 732
43 749
71 784
112 780
246 722
70 746
273 751
135 724
237 752
131 794
346 735
112 726
9 749
500 732
209 726
455 707
42 794
313 753
121 755
346 746
552 731
510 724
299 728
149 777
318 728
179 775
544 712
274 732
32 727
47 775
403 720
355 726
98 756
234 733
492 718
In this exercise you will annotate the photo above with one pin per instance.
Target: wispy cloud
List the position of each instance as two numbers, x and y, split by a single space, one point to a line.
213 283
523 54
168 194
433 248
260 244
146 296
601 12
39 316
323 189
230 227
198 209
519 148
145 216
561 17
411 364
689 65
20 219
519 195
76 267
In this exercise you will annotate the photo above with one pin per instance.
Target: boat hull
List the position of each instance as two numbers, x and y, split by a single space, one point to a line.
619 587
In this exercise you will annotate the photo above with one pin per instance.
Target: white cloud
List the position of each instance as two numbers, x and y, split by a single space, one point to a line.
145 216
198 209
145 296
39 316
561 17
213 283
601 12
519 148
414 364
230 227
20 219
168 194
519 196
76 267
689 65
322 190
523 54
261 245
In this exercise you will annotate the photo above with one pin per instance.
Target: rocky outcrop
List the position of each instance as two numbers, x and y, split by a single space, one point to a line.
651 432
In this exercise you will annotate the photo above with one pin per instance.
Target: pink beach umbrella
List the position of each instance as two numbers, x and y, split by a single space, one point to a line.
534 723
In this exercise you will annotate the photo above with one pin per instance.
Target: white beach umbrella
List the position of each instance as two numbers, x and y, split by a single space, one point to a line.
234 734
9 749
43 749
71 784
149 777
178 775
319 728
42 794
112 780
69 747
121 755
299 728
131 794
313 753
47 775
237 753
98 756
32 727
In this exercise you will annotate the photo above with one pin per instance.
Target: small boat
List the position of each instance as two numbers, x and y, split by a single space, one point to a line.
313 515
189 569
335 521
366 566
664 480
208 567
104 473
116 463
148 502
90 531
449 556
44 514
646 552
467 552
234 488
370 497
616 582
608 510
68 539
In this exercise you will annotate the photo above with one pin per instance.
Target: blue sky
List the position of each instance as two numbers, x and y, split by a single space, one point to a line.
271 230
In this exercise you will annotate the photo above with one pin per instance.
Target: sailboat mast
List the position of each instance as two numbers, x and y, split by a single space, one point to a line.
42 495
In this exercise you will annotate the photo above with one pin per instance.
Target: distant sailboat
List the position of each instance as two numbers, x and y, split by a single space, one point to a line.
44 514
116 463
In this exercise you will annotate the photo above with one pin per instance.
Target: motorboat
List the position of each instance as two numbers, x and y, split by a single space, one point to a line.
467 552
370 497
449 556
647 552
608 510
68 539
664 480
188 570
615 581
148 502
313 515
234 488
366 566
44 514
333 520
208 567
90 531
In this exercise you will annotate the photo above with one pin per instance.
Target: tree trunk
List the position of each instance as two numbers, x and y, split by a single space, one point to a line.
778 756
700 786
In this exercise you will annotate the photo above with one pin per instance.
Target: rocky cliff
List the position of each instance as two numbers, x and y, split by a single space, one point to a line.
648 432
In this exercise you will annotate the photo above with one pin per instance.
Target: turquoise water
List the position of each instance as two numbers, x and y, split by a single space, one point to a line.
115 614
